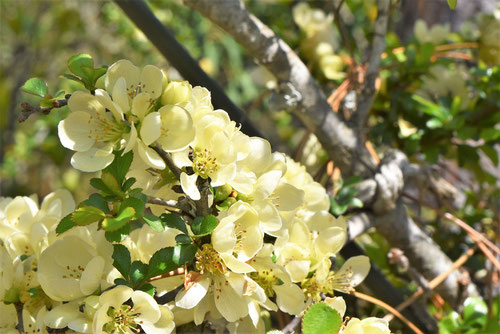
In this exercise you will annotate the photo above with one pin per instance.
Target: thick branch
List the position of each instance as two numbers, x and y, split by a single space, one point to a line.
310 104
368 92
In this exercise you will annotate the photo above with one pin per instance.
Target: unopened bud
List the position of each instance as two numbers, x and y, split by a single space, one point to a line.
176 92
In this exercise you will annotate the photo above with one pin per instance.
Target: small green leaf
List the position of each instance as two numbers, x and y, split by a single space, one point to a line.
148 288
475 309
120 281
184 253
118 235
128 183
65 224
71 77
114 224
183 239
154 222
99 72
452 4
491 153
174 221
352 181
321 318
111 183
87 215
97 201
356 202
121 259
76 63
35 86
434 123
99 185
120 165
138 271
204 225
135 203
161 262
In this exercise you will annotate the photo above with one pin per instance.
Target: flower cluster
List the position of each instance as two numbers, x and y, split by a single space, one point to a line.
320 41
218 221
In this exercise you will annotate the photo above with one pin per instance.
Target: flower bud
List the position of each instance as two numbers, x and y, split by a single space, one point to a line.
176 92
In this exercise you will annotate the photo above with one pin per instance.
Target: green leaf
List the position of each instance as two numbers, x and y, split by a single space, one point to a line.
65 224
489 134
434 123
475 310
204 225
154 222
135 203
352 181
174 221
120 165
356 202
429 108
491 153
71 77
99 72
118 235
97 201
161 262
114 224
120 281
452 4
148 288
100 185
111 183
121 260
76 63
138 271
183 239
321 318
184 253
87 215
35 86
128 183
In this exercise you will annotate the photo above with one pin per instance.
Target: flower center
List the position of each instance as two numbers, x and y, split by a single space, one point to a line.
266 279
208 260
105 129
204 163
123 320
72 272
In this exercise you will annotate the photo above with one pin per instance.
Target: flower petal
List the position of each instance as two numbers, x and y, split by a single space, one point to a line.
91 276
188 184
91 160
191 297
149 156
151 128
146 306
177 125
74 131
122 69
151 81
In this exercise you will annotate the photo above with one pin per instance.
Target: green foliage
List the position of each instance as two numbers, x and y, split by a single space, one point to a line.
121 260
452 3
204 225
321 318
35 86
86 215
174 221
82 67
345 197
475 319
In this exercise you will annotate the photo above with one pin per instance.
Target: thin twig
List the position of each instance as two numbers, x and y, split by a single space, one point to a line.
433 283
29 110
168 160
388 308
160 201
471 230
290 327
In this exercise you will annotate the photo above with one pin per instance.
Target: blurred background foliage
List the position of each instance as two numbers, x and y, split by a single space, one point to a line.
438 101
